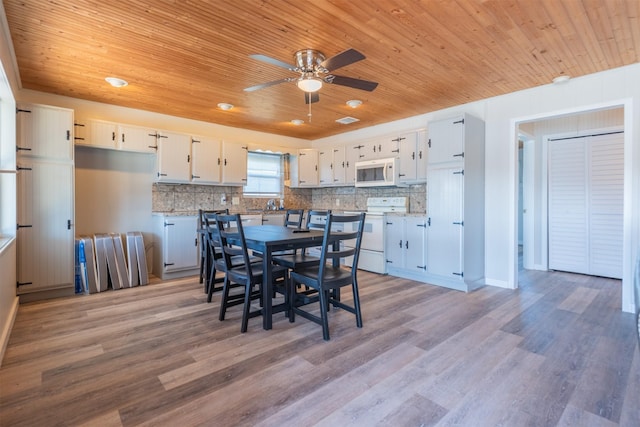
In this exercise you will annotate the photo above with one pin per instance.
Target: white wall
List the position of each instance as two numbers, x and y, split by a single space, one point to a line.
501 114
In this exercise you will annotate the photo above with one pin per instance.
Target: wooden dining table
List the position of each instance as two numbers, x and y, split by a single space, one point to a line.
268 239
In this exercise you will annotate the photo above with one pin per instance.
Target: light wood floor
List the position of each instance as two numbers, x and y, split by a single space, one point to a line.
556 352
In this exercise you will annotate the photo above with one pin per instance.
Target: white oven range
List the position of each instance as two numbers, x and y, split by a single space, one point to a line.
372 248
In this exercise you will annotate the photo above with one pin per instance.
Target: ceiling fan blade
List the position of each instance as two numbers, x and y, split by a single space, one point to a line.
351 82
347 57
273 61
267 84
311 97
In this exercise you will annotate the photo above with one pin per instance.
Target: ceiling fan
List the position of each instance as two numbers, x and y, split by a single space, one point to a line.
314 70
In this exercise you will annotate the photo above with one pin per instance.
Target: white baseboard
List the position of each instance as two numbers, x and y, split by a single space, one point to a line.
8 326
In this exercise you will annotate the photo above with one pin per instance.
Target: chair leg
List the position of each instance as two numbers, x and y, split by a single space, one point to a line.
324 308
356 303
211 282
225 298
247 306
291 297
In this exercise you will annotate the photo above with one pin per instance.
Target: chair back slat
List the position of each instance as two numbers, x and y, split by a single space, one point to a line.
334 237
227 234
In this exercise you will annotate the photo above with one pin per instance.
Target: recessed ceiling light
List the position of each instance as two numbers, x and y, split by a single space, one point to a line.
297 122
116 82
354 103
561 79
224 106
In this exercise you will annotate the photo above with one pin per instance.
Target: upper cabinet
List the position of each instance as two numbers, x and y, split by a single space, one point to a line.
234 163
206 160
447 138
304 168
44 131
412 150
174 157
137 138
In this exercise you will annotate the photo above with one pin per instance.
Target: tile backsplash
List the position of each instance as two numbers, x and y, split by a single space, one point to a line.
188 198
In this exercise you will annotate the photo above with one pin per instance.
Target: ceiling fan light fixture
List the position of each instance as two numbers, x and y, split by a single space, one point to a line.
309 84
297 122
116 82
225 106
354 103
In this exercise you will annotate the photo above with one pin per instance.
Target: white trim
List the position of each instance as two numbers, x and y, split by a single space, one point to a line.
6 331
628 247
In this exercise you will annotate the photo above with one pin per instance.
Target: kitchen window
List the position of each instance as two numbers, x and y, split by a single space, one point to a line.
264 175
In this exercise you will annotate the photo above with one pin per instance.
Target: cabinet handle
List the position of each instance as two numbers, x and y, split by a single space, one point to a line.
459 172
19 226
429 143
68 135
20 168
162 174
168 263
459 155
461 121
195 177
422 267
331 166
166 224
458 274
406 244
155 135
395 151
421 225
195 242
400 244
22 149
68 224
113 136
225 162
188 158
218 160
195 141
162 136
413 155
429 222
459 223
420 154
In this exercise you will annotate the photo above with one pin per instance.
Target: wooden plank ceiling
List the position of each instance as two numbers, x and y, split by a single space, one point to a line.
183 57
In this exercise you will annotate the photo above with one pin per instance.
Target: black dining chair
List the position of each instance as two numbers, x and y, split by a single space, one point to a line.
205 259
300 258
326 276
248 274
216 256
293 218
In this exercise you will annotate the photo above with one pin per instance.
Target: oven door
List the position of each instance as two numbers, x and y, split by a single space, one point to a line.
372 256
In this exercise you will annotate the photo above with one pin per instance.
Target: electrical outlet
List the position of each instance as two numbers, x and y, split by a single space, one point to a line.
223 199
337 202
235 200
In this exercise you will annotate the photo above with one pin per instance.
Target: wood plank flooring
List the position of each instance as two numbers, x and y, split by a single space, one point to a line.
556 352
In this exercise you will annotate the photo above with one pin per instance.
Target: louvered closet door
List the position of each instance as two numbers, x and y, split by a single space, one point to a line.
586 205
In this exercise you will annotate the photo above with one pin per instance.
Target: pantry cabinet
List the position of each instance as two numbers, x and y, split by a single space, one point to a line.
405 246
455 203
176 252
45 201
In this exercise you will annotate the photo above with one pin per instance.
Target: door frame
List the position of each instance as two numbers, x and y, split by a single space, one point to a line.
627 262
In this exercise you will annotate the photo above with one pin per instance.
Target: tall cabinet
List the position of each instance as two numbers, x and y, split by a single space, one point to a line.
455 202
45 218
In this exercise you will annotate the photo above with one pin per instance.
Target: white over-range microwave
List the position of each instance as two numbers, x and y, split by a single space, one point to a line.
377 173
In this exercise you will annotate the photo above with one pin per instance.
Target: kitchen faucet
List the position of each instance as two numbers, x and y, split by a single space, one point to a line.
271 205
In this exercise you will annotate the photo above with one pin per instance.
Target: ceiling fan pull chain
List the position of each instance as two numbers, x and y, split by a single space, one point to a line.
309 95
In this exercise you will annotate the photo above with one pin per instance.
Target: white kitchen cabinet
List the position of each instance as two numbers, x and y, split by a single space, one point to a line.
44 131
45 202
455 204
304 168
352 154
406 246
234 163
174 157
412 152
176 252
251 220
332 166
206 160
139 139
102 134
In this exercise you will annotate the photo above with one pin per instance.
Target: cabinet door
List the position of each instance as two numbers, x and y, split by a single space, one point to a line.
43 131
45 248
206 162
273 219
408 156
234 163
339 166
308 167
102 134
325 166
136 138
444 204
415 229
174 157
180 243
421 156
446 140
395 241
351 156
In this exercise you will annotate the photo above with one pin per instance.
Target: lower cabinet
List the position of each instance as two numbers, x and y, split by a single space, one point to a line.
176 251
406 246
273 219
